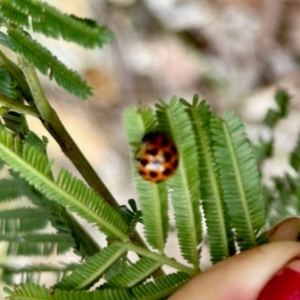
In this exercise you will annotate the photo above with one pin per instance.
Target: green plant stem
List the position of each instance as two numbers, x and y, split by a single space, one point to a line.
15 106
55 127
164 260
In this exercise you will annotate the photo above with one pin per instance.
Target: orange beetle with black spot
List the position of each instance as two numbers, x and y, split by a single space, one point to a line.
158 157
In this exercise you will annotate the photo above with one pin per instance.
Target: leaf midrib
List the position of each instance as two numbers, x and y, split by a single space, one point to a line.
239 180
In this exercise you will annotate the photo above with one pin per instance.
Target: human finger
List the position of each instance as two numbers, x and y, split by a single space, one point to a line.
242 276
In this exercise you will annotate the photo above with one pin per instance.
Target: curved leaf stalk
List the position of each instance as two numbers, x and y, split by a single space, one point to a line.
43 106
239 178
164 260
153 197
217 219
184 184
12 105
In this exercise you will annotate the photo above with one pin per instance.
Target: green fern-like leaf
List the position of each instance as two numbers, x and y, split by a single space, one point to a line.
153 197
51 22
53 212
35 141
239 178
45 62
68 190
135 273
175 123
11 95
274 116
263 150
131 217
15 122
107 294
119 266
8 85
57 215
282 198
92 270
28 291
4 40
15 72
217 219
89 205
32 272
160 288
9 190
22 219
13 14
138 122
295 155
21 226
31 244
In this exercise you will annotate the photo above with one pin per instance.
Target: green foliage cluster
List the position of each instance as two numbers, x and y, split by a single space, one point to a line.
217 172
217 192
281 194
17 16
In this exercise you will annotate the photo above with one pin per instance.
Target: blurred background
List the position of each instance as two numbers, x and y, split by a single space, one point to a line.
233 53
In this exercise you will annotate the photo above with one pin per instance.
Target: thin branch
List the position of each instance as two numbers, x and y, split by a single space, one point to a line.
56 128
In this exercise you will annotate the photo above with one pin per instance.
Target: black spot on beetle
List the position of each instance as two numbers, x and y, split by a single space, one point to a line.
164 141
152 152
174 149
153 174
167 172
167 156
175 163
143 162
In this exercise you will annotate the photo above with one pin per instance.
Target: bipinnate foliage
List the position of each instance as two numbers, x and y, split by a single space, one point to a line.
20 16
216 193
217 158
217 184
282 194
218 228
234 216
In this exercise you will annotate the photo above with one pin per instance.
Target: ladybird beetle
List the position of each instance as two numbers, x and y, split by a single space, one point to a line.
158 157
